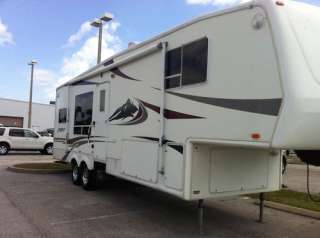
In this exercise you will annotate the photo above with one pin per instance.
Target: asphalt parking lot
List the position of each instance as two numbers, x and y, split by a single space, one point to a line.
50 206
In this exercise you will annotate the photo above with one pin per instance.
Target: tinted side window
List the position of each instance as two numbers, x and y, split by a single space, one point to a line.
2 130
83 113
30 134
63 115
195 57
102 100
16 132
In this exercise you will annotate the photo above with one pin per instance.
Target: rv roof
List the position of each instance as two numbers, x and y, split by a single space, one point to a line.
198 19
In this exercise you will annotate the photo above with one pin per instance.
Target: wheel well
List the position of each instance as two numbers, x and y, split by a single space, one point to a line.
82 164
73 162
6 143
50 143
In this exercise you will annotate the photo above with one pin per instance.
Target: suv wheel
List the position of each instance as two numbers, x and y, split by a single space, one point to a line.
88 178
4 149
48 149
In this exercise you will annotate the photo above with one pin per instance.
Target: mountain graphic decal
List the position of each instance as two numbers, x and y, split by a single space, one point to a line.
132 112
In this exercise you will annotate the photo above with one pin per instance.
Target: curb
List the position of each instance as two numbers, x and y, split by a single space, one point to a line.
291 209
38 171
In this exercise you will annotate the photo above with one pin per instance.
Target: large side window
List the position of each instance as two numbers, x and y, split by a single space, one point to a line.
187 64
63 115
16 132
83 113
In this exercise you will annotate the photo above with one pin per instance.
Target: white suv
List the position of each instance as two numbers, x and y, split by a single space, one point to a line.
12 138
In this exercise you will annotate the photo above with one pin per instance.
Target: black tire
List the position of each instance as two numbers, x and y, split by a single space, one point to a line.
76 174
4 148
88 178
48 149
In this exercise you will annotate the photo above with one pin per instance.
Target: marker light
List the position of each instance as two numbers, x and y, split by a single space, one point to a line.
255 136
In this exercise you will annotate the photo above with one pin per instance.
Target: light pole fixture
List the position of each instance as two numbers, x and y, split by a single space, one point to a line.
31 63
99 24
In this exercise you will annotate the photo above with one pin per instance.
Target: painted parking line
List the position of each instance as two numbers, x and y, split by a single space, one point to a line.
97 217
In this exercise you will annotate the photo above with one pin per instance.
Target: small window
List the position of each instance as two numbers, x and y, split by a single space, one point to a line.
30 134
173 62
102 100
83 113
2 130
187 64
63 115
16 132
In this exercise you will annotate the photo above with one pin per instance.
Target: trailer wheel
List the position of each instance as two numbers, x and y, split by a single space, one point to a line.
76 174
88 178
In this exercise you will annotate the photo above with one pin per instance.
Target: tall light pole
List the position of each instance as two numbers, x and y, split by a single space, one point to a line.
31 63
99 24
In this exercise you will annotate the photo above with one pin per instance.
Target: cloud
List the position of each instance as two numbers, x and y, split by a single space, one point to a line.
80 60
86 56
5 36
215 2
84 29
44 77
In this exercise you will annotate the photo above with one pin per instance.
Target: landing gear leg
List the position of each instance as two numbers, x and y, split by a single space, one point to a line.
261 207
200 215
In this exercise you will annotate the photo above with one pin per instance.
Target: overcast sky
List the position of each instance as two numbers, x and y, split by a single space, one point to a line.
57 34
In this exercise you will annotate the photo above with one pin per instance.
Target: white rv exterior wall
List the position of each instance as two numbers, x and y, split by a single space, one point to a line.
42 114
242 65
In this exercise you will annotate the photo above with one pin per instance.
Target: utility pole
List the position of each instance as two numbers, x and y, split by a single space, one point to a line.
32 63
99 24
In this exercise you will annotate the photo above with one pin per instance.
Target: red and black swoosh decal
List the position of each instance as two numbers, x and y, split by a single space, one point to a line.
119 73
176 147
170 114
269 107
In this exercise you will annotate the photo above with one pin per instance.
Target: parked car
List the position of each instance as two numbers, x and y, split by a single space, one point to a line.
47 132
1 125
12 138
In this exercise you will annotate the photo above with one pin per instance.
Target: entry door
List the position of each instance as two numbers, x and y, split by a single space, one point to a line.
17 138
32 140
99 130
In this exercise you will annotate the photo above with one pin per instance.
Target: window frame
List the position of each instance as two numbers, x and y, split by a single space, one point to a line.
168 77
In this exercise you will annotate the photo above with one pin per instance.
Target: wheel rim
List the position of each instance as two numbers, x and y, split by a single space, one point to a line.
75 173
3 149
85 176
49 149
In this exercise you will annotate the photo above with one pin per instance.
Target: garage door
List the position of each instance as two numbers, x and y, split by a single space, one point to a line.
11 121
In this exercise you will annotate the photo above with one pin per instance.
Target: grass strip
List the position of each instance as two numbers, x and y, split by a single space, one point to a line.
291 198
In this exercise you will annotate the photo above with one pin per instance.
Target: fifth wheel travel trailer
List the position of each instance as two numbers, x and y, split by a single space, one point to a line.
203 110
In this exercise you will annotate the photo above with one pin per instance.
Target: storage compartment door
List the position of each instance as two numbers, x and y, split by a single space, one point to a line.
174 166
140 160
238 170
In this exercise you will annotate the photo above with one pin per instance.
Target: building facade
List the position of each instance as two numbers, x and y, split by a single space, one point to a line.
14 113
